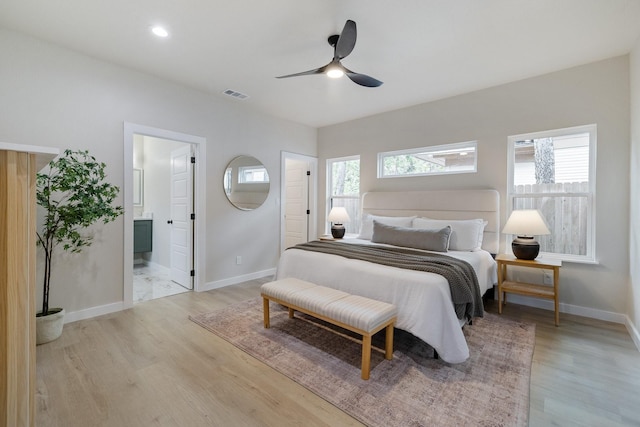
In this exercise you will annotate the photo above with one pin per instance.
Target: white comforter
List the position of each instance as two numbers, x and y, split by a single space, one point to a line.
423 299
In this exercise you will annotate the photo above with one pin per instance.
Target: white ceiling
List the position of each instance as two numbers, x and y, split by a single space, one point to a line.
421 49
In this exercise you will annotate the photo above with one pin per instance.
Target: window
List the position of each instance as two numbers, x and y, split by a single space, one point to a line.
252 175
227 181
343 189
554 172
441 159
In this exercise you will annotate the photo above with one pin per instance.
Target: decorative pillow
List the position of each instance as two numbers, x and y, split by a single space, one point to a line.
430 240
466 234
366 229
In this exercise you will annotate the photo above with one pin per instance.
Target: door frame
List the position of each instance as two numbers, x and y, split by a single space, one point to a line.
199 145
313 193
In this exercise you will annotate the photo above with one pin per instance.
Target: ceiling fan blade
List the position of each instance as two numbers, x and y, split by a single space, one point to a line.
304 73
346 41
362 79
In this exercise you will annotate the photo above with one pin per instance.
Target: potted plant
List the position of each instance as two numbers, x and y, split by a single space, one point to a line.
74 195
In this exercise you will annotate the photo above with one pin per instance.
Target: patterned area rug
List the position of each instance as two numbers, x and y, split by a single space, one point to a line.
490 389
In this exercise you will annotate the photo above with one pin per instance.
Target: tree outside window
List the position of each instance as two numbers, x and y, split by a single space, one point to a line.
343 176
554 172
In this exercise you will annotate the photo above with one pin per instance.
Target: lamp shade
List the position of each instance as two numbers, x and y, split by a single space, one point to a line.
526 222
338 215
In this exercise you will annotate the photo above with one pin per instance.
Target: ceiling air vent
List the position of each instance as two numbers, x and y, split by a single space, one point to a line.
234 94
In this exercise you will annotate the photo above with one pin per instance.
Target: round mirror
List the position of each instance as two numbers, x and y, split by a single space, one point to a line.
246 183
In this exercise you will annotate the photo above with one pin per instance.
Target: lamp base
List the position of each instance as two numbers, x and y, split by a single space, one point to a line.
337 231
525 248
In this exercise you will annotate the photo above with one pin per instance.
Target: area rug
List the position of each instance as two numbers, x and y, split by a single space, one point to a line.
490 389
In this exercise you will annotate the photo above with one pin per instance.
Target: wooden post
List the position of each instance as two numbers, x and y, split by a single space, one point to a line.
18 166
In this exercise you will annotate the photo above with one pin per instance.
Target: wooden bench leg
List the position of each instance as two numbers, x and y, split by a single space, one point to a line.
388 347
366 356
291 311
265 305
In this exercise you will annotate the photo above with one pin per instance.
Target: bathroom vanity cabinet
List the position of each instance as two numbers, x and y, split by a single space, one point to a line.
142 235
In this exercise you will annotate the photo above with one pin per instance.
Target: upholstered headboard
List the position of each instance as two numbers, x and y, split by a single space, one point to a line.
441 204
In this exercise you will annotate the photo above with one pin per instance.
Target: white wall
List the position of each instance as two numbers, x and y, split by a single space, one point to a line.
634 223
594 93
55 97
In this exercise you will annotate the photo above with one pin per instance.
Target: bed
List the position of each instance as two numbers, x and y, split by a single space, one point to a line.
424 299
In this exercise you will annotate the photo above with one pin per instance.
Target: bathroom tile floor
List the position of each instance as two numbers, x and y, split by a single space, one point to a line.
151 282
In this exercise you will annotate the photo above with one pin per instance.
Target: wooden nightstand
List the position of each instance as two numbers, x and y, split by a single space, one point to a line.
528 289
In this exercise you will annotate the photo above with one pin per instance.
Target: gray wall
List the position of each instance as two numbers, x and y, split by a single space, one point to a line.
55 97
634 232
594 93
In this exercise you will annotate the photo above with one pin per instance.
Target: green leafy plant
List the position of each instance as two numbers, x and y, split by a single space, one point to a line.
74 195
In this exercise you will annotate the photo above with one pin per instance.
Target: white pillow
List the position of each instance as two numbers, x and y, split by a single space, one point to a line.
466 234
366 229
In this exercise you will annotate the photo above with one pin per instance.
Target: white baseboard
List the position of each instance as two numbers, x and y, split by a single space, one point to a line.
593 313
88 313
633 331
235 280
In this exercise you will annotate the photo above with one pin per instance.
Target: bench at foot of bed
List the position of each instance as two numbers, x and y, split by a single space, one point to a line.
355 313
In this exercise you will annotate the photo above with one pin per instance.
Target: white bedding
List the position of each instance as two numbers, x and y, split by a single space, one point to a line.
423 299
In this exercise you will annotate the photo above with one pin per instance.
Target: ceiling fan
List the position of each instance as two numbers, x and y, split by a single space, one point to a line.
342 44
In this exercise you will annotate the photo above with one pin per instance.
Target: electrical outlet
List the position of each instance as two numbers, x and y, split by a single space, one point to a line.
547 278
238 260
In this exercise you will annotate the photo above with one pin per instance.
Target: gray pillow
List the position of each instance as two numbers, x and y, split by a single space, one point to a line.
430 240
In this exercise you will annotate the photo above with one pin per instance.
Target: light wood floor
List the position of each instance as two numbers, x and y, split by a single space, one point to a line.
151 366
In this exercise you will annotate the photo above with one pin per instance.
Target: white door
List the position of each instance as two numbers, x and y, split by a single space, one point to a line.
298 174
181 251
296 203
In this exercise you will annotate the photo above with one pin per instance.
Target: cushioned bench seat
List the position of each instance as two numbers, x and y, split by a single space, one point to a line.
361 315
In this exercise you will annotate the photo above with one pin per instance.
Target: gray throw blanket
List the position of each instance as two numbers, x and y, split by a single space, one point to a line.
463 282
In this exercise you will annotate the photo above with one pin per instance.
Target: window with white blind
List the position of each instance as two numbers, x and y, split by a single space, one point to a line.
554 172
343 189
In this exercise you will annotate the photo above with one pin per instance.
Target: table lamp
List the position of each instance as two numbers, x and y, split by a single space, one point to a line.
338 216
525 224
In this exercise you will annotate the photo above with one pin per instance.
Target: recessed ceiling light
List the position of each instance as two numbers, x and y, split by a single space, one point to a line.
159 31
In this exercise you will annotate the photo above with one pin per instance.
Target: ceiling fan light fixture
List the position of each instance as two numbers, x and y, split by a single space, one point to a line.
335 72
342 44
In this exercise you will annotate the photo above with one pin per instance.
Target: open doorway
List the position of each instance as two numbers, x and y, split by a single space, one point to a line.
163 202
298 199
163 205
